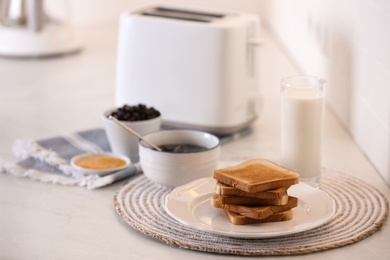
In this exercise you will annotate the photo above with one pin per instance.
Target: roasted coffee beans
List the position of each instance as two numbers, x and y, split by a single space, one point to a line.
135 113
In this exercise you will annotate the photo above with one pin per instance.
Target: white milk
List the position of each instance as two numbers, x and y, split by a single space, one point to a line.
301 130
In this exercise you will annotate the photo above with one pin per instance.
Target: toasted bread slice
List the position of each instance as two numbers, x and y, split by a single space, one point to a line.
226 190
257 212
252 201
238 219
256 175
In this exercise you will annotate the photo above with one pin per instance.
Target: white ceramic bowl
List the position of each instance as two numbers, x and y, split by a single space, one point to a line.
122 141
101 171
175 169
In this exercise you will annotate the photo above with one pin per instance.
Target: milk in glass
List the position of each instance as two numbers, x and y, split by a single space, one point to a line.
301 127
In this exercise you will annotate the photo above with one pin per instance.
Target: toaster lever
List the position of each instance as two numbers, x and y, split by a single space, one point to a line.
253 44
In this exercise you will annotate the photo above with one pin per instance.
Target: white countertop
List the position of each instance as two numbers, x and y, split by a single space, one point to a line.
45 98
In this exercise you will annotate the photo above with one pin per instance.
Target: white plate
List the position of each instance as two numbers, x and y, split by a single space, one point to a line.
100 172
190 204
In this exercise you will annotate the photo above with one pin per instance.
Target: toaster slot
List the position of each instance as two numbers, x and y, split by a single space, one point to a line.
181 14
213 15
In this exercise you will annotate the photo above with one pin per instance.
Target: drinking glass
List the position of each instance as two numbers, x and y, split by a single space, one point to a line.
302 116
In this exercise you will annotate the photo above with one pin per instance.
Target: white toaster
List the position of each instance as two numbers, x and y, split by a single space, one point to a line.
198 67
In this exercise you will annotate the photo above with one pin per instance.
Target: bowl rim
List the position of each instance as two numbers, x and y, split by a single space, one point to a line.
141 143
109 111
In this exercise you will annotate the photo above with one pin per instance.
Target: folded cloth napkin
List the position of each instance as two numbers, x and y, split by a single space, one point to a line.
48 160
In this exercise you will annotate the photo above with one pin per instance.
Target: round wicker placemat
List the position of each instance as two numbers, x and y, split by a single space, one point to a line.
360 210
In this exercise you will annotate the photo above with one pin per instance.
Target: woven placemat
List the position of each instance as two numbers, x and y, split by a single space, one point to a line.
360 210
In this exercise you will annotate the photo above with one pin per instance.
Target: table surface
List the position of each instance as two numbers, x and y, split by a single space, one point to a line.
57 96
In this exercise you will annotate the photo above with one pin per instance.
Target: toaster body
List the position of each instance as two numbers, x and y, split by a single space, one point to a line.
198 67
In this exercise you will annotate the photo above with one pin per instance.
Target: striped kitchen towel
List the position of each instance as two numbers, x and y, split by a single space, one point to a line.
48 160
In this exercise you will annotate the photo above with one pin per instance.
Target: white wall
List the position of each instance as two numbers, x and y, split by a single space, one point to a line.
348 43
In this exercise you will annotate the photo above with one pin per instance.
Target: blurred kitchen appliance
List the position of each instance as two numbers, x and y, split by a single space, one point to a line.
198 67
26 30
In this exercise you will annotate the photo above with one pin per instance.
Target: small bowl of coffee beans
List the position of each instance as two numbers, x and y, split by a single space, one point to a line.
141 118
185 155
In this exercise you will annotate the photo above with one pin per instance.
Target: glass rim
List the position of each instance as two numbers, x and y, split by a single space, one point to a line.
285 79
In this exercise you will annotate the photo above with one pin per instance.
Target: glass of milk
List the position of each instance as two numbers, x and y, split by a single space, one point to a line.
302 114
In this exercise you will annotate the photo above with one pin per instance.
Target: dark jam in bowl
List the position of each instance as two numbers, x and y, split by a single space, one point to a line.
182 148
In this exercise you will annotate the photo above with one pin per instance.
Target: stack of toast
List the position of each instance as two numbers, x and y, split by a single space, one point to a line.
255 191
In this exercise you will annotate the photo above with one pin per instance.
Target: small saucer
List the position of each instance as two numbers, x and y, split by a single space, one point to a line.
99 170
